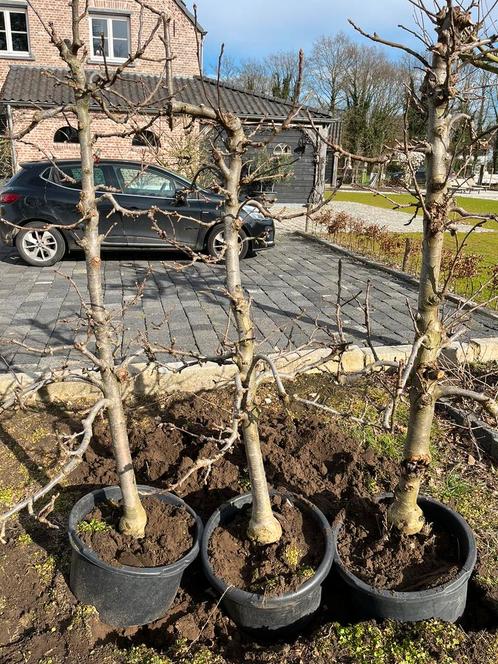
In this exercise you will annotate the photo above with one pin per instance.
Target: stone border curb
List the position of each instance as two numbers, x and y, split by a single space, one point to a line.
404 276
152 380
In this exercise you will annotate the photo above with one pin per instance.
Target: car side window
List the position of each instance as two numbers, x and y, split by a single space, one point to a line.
70 176
137 181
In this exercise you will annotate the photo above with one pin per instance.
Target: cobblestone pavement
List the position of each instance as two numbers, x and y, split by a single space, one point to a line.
293 287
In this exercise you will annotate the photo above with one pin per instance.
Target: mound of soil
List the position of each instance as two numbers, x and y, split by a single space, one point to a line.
169 535
386 559
270 570
302 455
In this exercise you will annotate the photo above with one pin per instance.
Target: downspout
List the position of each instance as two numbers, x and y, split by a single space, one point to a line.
335 135
10 126
201 58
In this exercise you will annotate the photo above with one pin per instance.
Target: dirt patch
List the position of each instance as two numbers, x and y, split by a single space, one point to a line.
305 453
386 559
271 570
169 534
302 455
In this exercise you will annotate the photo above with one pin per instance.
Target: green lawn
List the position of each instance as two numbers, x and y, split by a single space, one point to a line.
473 205
483 244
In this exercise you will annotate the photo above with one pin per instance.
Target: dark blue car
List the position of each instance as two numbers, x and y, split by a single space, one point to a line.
42 194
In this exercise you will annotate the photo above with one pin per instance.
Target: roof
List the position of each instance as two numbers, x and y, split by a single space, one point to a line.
190 15
244 103
27 86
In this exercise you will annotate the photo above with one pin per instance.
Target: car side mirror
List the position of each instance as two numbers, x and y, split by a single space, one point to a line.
181 196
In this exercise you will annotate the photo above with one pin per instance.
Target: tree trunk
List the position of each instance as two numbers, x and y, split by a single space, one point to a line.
405 513
264 528
134 519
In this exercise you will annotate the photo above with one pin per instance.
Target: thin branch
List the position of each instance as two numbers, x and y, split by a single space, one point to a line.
379 40
237 417
390 411
490 405
76 457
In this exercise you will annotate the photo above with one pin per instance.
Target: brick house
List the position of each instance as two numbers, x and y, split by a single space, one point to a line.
30 68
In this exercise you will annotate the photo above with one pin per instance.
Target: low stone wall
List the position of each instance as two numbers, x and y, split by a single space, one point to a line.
153 381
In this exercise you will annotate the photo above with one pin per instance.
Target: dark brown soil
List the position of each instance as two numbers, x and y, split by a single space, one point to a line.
271 570
305 453
169 535
387 559
301 455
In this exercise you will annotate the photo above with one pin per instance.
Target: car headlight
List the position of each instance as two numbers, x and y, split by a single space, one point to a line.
253 211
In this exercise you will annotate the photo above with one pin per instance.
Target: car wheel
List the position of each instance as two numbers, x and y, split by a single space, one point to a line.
216 243
40 246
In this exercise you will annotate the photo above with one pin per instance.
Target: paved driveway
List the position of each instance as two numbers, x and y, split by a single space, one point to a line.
293 286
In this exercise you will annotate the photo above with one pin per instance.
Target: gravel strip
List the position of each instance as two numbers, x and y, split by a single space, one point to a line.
392 220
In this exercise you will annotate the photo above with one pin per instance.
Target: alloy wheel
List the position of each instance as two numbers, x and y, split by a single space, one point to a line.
39 245
219 244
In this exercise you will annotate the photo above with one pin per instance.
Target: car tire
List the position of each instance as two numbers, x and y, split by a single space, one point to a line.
40 246
215 243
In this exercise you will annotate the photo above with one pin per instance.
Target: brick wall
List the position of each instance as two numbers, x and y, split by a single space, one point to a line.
39 144
43 53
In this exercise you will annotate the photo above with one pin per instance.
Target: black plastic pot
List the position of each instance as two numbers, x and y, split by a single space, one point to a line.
446 602
125 596
269 616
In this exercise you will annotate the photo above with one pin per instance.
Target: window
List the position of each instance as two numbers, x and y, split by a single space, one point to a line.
66 135
110 37
14 32
73 173
139 182
146 139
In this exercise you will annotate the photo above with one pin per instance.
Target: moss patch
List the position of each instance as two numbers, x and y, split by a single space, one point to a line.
392 643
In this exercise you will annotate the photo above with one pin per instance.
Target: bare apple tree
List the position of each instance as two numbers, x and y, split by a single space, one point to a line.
459 40
73 53
228 159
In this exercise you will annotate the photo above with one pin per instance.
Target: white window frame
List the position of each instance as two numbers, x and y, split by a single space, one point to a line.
7 11
282 150
109 18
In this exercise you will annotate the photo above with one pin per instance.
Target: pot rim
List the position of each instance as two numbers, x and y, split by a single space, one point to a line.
242 596
163 570
463 575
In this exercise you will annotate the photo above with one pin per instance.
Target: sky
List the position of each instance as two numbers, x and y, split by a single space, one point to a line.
252 29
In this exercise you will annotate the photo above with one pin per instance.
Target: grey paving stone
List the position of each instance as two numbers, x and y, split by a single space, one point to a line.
293 287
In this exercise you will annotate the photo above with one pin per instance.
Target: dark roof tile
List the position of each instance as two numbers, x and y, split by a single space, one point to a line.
28 85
